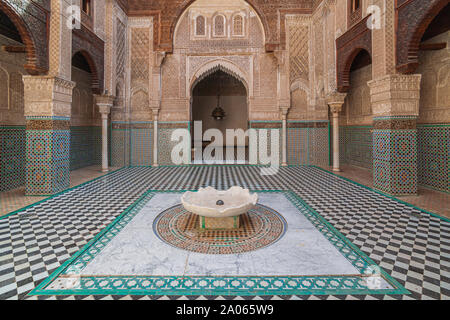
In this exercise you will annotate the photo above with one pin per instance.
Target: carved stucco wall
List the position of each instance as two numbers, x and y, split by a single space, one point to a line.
298 29
356 121
323 61
357 108
12 120
115 24
83 111
310 58
244 57
11 85
434 117
85 130
140 38
435 87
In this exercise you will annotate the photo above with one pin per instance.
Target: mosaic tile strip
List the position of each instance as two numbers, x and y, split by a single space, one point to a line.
12 157
395 124
47 124
210 286
66 279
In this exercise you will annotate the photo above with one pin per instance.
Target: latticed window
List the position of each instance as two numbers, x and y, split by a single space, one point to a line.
356 4
219 25
238 25
86 6
354 11
200 26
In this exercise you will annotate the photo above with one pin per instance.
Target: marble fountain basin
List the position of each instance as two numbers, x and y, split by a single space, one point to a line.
219 209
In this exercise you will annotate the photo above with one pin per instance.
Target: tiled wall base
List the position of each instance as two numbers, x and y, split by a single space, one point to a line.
12 157
434 156
85 146
132 143
395 157
308 143
48 156
120 146
165 143
265 148
141 146
356 146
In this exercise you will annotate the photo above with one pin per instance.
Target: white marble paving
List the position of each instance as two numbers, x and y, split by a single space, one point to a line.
303 250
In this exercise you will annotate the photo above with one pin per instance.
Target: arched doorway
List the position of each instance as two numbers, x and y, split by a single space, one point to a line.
85 130
356 118
219 91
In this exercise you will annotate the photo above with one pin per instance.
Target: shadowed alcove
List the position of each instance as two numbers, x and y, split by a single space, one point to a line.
220 90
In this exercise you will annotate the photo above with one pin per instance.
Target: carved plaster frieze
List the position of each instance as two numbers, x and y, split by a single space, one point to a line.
47 96
395 95
240 67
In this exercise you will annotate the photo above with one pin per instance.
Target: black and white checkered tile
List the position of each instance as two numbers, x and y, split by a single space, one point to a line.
411 245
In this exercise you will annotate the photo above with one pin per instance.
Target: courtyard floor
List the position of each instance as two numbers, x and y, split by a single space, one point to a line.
102 236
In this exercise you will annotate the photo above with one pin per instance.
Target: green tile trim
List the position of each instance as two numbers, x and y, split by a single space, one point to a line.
207 285
12 127
386 195
56 195
433 125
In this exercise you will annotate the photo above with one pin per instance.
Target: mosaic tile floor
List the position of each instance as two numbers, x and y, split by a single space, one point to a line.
15 199
412 246
430 200
309 257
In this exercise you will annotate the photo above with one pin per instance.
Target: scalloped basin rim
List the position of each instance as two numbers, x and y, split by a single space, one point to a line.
236 200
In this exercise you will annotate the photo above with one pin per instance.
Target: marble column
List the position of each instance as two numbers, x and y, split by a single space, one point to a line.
104 103
335 102
395 108
47 111
155 103
155 137
284 112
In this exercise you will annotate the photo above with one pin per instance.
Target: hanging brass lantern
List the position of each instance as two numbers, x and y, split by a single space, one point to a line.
218 113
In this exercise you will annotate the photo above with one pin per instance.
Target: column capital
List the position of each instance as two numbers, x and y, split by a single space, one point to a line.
284 110
335 101
155 112
104 103
47 96
280 55
159 58
104 99
395 95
